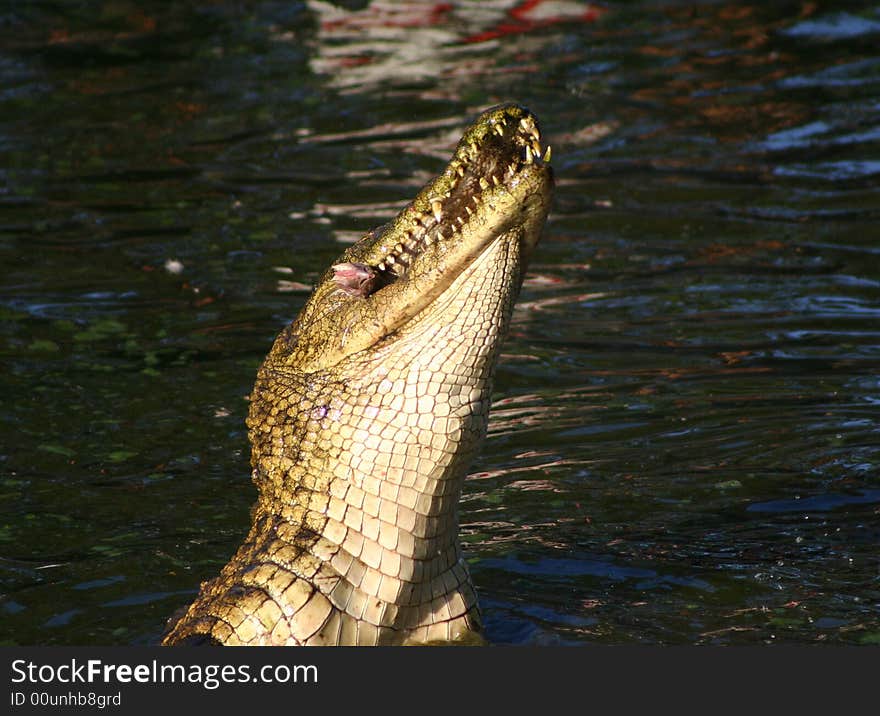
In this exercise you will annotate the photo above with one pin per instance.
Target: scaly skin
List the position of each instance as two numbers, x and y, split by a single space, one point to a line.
369 408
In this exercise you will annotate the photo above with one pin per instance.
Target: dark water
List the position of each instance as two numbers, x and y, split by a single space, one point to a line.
685 445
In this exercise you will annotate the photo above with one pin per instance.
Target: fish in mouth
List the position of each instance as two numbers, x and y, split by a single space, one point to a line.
368 411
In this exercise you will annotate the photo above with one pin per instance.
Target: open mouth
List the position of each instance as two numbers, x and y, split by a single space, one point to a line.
493 157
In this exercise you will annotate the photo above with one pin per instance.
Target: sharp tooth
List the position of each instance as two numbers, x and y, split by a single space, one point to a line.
495 180
390 260
483 183
437 208
547 154
536 147
528 154
460 220
381 265
499 130
460 171
398 249
468 210
511 168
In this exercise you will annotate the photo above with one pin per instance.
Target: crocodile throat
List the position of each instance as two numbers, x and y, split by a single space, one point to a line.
369 408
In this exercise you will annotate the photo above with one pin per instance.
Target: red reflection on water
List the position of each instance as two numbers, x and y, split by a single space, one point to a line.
533 14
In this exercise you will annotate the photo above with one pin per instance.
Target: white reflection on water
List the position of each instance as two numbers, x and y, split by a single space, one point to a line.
387 43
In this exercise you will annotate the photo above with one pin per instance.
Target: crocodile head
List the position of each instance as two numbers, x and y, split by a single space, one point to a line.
492 199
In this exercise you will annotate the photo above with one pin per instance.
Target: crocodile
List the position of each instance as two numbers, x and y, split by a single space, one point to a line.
368 411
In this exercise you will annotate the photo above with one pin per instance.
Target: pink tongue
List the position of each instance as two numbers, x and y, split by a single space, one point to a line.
353 278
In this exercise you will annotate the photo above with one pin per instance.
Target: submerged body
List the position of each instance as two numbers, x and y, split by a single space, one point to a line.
369 408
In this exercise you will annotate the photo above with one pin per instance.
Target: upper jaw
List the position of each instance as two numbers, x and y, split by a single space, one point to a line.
501 153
